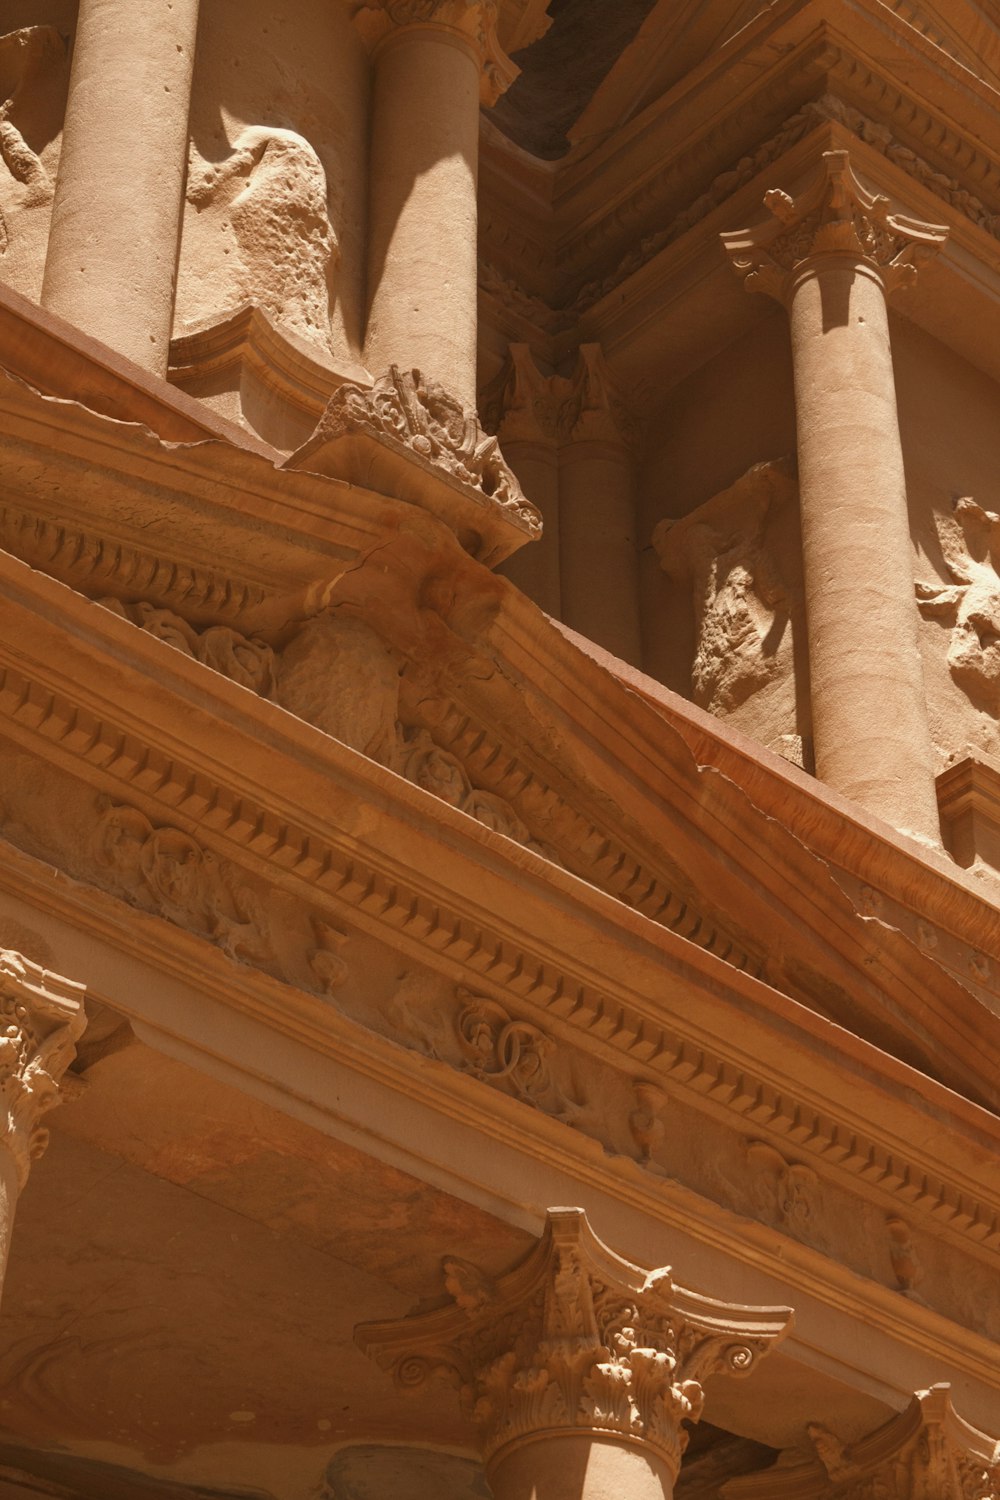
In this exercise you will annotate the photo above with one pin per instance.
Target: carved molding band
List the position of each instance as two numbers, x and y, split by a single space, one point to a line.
835 216
575 1340
41 1016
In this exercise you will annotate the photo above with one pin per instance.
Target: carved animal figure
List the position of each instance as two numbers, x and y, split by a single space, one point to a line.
273 190
971 605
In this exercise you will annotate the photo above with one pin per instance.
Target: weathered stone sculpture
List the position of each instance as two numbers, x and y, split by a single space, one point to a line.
971 604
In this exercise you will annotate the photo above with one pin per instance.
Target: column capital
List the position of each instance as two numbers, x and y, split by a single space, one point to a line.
834 217
472 21
927 1452
593 410
522 405
41 1017
575 1340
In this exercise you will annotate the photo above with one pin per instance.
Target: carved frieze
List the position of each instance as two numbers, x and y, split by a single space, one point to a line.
784 1192
245 659
835 215
409 437
41 1018
970 542
575 1340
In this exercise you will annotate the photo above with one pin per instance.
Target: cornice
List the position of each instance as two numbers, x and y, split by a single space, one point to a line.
462 1099
552 948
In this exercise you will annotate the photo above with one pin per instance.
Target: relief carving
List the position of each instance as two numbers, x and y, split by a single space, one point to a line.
41 1018
927 1450
906 1265
183 882
338 674
742 606
970 543
30 61
406 415
575 1339
271 195
510 1054
244 659
645 1121
784 1192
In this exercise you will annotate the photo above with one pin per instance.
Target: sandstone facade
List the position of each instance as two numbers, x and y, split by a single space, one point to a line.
499 750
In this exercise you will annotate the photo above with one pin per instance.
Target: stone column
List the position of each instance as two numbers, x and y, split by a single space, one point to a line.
576 1369
832 256
598 545
927 1452
524 414
119 194
41 1017
434 62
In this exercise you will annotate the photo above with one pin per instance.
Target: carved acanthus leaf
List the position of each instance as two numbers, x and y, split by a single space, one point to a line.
245 659
576 1339
925 1451
41 1017
836 215
409 435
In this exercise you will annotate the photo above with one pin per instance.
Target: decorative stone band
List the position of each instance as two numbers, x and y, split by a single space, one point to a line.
927 1452
575 1340
835 216
473 21
41 1018
408 437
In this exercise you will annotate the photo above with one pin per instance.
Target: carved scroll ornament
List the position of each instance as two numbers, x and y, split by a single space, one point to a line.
927 1452
41 1017
836 215
409 437
575 1340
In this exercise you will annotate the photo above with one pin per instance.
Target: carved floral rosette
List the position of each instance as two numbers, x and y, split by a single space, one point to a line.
575 1340
42 1016
836 215
408 437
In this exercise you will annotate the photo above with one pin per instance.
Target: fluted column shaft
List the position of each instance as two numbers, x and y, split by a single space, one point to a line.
119 194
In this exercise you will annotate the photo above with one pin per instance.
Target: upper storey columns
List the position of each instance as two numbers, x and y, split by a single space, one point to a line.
435 61
832 257
119 194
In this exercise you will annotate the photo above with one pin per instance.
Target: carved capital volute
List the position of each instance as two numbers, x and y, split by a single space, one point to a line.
470 22
927 1452
575 1340
41 1018
837 219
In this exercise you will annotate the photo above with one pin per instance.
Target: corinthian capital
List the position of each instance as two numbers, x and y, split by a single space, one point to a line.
575 1340
475 21
41 1017
836 216
927 1452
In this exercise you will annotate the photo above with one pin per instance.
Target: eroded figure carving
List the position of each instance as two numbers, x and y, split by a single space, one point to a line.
245 659
271 194
339 675
33 75
971 604
741 604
